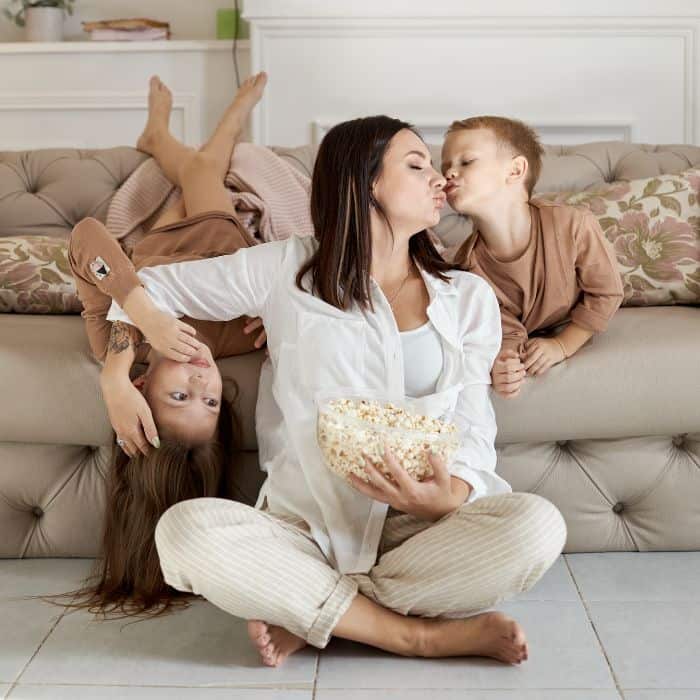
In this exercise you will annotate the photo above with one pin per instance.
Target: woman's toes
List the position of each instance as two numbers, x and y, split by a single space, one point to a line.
269 654
258 632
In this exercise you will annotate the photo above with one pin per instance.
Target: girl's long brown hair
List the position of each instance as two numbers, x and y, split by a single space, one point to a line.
126 580
348 163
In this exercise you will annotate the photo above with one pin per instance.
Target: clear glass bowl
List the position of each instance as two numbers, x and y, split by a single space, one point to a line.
343 435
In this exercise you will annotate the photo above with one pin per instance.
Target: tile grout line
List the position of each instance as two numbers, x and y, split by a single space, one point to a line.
593 627
15 683
318 665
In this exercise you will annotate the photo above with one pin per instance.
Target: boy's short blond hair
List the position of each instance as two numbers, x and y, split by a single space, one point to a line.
518 135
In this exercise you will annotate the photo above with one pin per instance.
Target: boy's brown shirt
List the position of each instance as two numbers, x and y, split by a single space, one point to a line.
568 272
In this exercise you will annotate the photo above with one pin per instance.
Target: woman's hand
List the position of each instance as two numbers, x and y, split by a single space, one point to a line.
168 335
508 374
129 414
541 354
429 499
171 337
251 325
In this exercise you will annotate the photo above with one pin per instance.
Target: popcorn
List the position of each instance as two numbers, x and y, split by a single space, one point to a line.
348 427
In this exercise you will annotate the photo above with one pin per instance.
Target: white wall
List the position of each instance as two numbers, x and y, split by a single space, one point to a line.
189 19
576 71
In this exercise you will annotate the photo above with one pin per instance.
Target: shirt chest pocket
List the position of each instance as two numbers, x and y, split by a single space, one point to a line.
332 351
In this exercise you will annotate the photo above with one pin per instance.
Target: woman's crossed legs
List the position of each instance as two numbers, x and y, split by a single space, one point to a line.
420 598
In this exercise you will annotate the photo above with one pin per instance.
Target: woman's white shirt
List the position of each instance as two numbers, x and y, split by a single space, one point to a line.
317 350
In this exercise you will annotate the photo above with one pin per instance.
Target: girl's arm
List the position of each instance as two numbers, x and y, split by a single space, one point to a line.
121 350
129 413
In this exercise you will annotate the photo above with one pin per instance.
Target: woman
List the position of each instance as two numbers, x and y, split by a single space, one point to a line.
177 407
382 562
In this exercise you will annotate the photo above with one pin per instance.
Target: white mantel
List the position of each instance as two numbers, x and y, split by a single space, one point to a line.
93 94
597 70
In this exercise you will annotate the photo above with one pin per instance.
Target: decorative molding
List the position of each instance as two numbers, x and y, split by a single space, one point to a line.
433 130
187 103
264 31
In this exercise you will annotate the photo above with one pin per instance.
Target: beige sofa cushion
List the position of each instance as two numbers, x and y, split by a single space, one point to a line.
55 395
638 378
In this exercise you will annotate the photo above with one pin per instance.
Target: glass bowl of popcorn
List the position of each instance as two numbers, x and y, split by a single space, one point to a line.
350 425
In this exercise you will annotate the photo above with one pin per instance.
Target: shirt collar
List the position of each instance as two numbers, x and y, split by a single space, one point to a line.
436 286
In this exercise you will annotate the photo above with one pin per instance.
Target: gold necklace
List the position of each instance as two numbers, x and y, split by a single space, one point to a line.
391 301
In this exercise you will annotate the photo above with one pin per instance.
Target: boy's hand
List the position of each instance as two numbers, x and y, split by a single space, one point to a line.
508 374
251 325
541 354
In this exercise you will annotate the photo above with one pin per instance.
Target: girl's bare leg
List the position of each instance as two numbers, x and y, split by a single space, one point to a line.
490 634
199 174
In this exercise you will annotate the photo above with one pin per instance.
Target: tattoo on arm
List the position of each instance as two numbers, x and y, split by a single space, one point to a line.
121 337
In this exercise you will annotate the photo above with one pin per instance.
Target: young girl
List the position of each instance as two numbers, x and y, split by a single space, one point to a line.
177 407
384 561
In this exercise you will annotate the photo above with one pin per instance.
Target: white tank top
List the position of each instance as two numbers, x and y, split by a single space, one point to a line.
422 359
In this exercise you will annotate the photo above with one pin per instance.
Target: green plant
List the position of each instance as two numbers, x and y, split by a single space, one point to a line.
17 9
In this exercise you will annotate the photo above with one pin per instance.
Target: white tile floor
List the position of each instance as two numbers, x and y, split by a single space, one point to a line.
614 626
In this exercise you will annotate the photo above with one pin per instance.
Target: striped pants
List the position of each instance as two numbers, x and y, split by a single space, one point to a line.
257 565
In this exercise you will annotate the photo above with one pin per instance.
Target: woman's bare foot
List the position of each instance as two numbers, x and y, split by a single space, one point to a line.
490 634
160 104
273 643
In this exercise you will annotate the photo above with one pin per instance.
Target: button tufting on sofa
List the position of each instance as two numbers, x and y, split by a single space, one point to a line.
618 507
37 511
678 440
562 444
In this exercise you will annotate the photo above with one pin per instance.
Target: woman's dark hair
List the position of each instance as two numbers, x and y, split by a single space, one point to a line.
348 163
127 577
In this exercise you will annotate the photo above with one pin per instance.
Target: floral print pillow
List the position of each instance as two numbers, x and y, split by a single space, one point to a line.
654 227
35 276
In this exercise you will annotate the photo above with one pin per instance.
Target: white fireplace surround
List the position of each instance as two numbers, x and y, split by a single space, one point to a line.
577 72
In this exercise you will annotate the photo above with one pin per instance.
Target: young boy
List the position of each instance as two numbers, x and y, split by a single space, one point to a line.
547 263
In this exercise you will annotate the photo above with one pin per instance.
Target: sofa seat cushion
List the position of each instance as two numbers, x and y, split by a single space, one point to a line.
637 378
51 389
640 377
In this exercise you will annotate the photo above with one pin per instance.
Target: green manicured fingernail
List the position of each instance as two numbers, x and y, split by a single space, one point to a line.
155 442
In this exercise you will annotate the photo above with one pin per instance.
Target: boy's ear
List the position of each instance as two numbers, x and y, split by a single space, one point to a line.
518 169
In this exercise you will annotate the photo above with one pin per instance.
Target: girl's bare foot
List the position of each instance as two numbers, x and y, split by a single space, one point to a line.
248 95
160 104
273 643
490 634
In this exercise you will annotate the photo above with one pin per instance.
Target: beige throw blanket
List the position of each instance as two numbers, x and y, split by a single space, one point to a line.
271 198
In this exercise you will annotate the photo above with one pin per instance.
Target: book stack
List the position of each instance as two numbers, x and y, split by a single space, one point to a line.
136 29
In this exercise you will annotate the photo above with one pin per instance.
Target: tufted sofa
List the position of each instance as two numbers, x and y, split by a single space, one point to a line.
612 436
